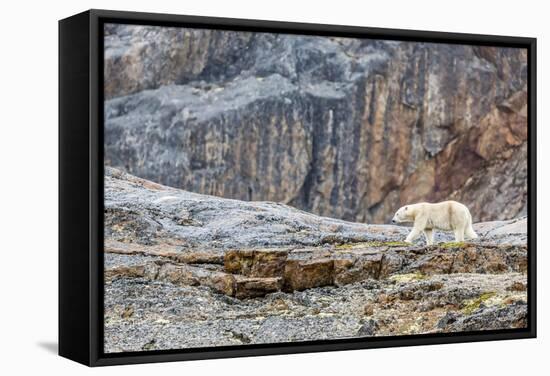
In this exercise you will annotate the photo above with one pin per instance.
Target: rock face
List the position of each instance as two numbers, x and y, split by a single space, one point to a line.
188 270
340 127
272 270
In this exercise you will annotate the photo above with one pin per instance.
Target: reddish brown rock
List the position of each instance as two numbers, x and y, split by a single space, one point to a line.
256 263
517 286
250 287
254 273
351 270
304 274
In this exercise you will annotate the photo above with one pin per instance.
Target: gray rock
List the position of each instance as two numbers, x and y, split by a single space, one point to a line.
192 273
141 212
341 127
368 329
487 318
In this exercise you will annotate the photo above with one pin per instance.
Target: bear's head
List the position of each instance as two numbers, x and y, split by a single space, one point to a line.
404 214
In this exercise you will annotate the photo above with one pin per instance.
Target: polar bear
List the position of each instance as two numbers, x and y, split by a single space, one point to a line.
447 216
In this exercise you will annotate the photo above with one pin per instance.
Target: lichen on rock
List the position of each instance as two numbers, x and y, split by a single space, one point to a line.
260 272
243 172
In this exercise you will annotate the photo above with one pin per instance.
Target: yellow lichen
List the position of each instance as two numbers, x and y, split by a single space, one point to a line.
453 245
407 277
346 246
371 244
471 305
397 244
117 228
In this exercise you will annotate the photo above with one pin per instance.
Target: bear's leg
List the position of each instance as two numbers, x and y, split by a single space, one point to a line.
429 234
418 227
459 235
470 233
412 235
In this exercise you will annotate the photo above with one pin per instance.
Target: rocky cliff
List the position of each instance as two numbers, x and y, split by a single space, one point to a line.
340 127
189 270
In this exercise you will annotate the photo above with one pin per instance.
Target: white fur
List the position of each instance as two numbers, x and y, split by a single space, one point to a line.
446 216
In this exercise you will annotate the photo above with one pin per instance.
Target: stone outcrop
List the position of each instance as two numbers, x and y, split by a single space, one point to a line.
306 268
510 316
186 275
171 220
252 273
227 272
340 127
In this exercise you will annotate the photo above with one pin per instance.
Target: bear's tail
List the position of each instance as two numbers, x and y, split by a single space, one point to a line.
470 233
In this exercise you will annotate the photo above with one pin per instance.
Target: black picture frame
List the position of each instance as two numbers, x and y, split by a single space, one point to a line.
81 187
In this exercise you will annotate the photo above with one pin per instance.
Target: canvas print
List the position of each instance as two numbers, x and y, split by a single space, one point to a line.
265 188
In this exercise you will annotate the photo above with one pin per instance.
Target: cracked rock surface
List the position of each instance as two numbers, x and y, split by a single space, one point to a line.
188 270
